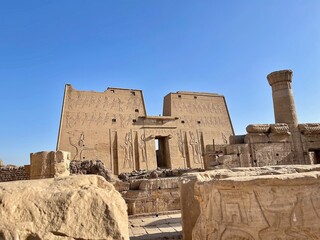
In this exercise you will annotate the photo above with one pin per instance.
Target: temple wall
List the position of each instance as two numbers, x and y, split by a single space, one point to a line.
14 173
271 144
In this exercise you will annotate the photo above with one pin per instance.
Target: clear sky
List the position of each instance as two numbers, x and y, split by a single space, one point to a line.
159 46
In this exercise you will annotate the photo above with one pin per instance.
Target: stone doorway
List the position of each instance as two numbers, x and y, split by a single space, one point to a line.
314 155
162 151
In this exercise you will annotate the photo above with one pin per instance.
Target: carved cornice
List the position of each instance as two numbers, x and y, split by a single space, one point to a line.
309 128
280 128
258 128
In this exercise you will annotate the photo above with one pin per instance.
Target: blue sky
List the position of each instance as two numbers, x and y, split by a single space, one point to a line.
159 46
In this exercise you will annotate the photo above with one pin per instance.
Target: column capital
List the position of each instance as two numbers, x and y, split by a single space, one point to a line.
280 76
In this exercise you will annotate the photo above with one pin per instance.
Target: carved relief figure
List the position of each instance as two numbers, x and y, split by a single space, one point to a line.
70 121
181 145
142 146
116 104
281 213
224 139
128 151
196 148
79 146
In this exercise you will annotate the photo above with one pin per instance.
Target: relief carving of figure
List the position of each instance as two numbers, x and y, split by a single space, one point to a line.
284 214
116 104
224 139
128 151
181 145
142 146
79 146
70 121
196 148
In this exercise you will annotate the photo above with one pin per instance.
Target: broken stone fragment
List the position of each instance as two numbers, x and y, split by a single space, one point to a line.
76 207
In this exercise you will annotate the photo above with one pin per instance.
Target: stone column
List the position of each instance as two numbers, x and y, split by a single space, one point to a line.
285 109
283 102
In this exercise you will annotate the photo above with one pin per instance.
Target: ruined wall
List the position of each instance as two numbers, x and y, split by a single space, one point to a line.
51 164
112 126
271 144
14 173
152 195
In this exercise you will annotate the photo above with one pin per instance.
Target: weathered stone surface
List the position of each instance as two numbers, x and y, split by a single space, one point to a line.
157 184
90 167
280 128
48 164
158 173
258 128
256 138
278 202
152 195
310 128
237 149
153 201
76 207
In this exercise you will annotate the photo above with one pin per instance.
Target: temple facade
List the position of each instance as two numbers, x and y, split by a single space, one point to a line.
113 126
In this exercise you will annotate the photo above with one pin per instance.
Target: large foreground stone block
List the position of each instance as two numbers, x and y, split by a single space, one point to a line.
77 207
280 202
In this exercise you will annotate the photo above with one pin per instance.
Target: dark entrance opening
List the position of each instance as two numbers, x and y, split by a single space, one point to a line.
162 152
314 155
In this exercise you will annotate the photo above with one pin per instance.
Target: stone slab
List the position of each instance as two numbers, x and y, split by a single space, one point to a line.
280 202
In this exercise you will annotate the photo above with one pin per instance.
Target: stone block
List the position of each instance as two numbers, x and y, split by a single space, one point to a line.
309 128
121 186
277 202
258 128
274 138
229 161
76 207
153 201
237 149
245 160
237 139
49 164
160 183
280 128
256 138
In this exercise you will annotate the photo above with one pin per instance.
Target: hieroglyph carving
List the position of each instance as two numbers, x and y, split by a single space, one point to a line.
199 107
261 213
93 119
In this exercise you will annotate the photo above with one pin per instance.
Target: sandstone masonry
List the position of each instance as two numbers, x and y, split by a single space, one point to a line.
285 142
113 126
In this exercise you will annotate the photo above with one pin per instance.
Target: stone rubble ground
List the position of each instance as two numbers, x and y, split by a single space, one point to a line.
153 227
